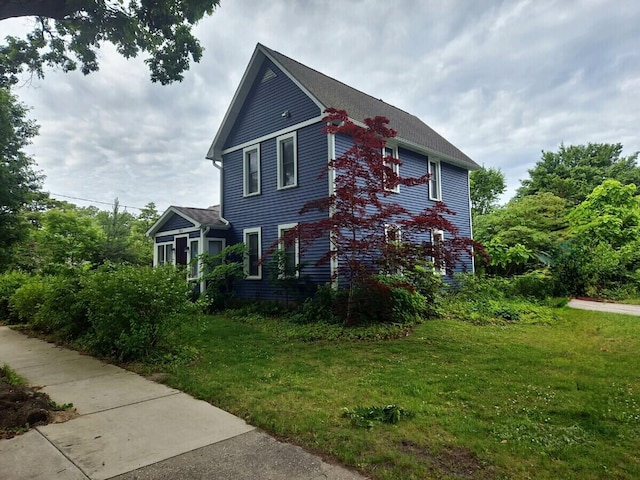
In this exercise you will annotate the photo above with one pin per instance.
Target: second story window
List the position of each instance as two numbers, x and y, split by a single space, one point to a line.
390 152
287 161
251 169
435 189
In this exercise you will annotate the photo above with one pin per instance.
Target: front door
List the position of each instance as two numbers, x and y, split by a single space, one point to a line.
181 250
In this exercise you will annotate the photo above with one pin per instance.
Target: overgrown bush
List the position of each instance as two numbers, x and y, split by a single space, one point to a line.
319 308
9 283
489 300
221 274
29 298
380 299
131 309
428 284
63 310
538 284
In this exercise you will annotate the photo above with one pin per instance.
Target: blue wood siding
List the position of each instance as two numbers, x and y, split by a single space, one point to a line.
164 239
275 207
262 111
175 222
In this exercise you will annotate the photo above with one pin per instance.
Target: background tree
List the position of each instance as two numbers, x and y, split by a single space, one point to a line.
573 172
69 32
19 183
603 251
523 234
487 184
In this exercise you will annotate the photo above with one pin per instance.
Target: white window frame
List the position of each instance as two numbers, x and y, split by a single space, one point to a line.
245 233
435 177
245 170
194 268
394 166
443 268
279 140
281 229
166 246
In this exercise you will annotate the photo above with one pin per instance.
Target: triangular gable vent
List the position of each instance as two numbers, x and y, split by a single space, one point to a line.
268 75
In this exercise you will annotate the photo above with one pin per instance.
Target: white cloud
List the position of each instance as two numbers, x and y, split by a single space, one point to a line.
501 80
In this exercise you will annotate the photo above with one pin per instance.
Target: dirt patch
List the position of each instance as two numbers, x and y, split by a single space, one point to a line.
451 460
23 407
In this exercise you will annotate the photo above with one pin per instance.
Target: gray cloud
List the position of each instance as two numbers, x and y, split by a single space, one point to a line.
501 80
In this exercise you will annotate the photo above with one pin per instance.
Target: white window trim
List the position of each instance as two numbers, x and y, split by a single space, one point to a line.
164 245
443 268
190 258
394 166
245 170
438 195
387 228
279 140
281 230
245 233
221 240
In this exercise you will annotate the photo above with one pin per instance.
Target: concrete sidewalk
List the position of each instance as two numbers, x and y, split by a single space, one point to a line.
132 428
605 307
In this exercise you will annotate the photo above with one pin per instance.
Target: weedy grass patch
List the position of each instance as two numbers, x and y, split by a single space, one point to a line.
515 400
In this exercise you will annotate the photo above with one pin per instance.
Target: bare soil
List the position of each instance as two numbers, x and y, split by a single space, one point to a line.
23 407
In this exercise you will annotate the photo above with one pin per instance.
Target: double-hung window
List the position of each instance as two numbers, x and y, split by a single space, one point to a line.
253 241
193 259
287 161
251 169
437 241
435 189
164 254
391 152
290 252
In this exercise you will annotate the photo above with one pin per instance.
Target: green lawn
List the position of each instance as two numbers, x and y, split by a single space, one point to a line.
553 401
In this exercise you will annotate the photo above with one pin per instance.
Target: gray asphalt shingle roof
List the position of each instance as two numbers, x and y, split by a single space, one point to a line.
333 93
205 216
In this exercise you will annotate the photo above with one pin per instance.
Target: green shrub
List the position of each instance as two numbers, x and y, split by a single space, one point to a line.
29 298
536 284
318 308
428 284
132 308
63 310
380 299
9 283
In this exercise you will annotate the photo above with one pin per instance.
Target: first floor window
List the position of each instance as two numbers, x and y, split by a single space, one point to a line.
435 192
290 252
251 169
164 254
252 239
287 161
437 240
193 258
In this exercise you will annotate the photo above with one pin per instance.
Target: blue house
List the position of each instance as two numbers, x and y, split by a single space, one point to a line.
270 150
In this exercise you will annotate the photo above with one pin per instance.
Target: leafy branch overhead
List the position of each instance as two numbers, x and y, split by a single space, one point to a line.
67 34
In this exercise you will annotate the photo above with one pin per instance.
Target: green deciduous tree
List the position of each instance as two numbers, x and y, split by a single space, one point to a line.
69 32
487 184
573 172
603 250
18 180
523 234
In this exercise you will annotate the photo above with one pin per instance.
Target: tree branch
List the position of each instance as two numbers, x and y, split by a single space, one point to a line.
55 9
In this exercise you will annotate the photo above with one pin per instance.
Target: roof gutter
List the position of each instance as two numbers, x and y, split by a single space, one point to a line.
218 165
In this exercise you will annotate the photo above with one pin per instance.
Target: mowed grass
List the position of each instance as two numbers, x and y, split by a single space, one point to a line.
555 401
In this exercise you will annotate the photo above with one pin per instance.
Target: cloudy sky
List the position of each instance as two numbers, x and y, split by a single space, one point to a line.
502 80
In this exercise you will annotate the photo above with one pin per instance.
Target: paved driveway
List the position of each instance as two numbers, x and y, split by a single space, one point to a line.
605 307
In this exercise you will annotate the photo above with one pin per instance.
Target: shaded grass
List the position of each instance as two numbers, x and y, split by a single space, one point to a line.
542 401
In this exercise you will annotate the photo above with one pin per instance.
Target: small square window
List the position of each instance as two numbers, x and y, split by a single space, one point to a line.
435 192
251 169
287 161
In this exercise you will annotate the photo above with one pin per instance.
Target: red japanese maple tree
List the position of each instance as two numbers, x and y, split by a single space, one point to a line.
368 230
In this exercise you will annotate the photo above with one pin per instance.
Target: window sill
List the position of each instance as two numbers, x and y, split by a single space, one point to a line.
251 195
288 187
